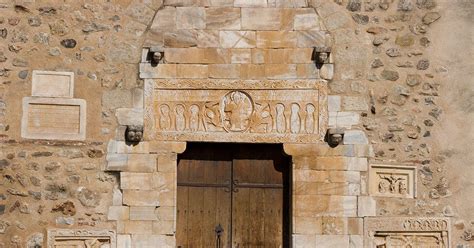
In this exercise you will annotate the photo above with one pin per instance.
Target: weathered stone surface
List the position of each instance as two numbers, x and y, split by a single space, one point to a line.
261 18
223 18
191 18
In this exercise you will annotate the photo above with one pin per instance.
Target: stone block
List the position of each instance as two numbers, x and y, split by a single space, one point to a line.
64 237
325 188
131 180
366 206
307 225
241 56
261 18
129 116
182 38
208 38
306 19
313 38
166 213
124 241
167 147
197 55
344 176
276 39
141 198
165 227
301 56
302 175
118 213
276 56
354 103
307 71
143 213
153 241
355 137
52 84
327 71
237 39
341 163
334 103
341 241
223 18
137 227
137 98
250 3
117 197
225 71
252 71
165 19
343 119
53 118
164 181
192 71
280 71
356 241
191 18
167 162
115 146
324 205
304 241
160 71
342 225
141 163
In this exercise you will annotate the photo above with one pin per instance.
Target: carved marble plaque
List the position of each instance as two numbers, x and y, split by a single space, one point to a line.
52 84
392 180
82 238
53 118
406 232
236 111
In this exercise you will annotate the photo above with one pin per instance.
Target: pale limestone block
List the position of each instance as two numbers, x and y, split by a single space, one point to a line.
163 227
165 19
52 84
276 39
304 241
261 18
250 3
307 225
153 241
324 205
288 3
341 163
115 146
223 18
208 38
137 227
192 71
310 176
226 3
280 71
334 103
167 146
191 18
137 98
258 56
325 188
306 19
338 20
241 56
168 198
182 38
301 56
197 56
228 71
160 71
252 71
164 181
313 38
116 162
346 119
118 213
327 71
166 213
129 116
356 241
307 71
117 197
143 213
237 39
355 137
355 226
53 118
141 198
354 103
142 181
124 241
141 163
366 206
339 241
344 176
167 162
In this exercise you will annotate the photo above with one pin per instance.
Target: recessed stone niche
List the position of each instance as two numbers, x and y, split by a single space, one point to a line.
385 232
81 238
52 84
392 180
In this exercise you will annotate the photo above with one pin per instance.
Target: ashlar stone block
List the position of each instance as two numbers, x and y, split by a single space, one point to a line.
52 84
223 18
191 18
261 18
237 39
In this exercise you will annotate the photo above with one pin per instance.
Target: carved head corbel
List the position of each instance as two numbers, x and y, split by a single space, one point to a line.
321 55
157 54
335 136
134 134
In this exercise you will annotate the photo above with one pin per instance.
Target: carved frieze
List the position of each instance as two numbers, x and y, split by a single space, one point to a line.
235 111
392 180
406 232
81 238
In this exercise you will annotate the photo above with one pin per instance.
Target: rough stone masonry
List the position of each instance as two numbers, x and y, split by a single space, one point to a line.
76 76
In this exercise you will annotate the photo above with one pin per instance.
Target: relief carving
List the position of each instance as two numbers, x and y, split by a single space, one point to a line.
266 115
81 238
392 181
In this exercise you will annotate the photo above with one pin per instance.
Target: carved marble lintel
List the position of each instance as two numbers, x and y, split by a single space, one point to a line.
81 238
392 180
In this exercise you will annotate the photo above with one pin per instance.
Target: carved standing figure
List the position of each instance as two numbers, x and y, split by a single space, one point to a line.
309 121
194 119
237 110
165 119
180 118
384 186
280 118
402 187
295 120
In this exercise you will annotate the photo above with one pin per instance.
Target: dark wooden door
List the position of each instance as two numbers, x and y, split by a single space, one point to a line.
241 188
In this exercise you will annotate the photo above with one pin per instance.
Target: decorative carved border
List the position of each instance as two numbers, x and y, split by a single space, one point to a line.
386 180
438 228
54 235
153 85
81 135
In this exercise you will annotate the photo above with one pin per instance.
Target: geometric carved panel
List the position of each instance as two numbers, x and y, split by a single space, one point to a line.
52 84
53 118
236 111
407 232
70 238
392 181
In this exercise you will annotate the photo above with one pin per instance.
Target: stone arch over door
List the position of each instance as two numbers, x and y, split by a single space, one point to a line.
187 97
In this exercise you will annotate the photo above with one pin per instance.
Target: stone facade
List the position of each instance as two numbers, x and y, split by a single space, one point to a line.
377 70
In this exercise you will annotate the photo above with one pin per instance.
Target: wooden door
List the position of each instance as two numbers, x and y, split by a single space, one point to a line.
242 188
